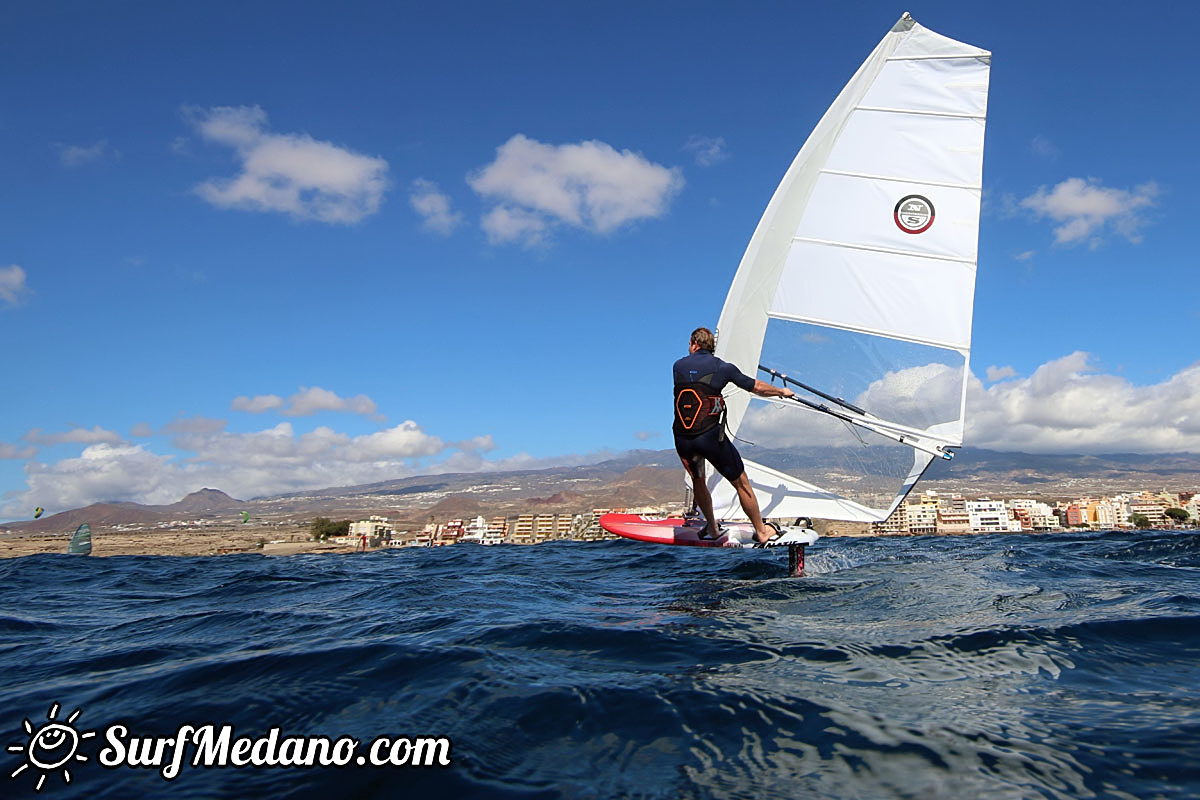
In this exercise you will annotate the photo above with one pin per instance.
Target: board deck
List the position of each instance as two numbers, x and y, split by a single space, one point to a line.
676 530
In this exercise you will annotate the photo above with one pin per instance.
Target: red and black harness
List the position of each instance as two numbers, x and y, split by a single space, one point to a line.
698 407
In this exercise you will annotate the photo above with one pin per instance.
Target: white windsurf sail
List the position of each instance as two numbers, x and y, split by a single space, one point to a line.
857 285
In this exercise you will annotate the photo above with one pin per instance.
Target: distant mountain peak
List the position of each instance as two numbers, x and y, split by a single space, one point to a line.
205 500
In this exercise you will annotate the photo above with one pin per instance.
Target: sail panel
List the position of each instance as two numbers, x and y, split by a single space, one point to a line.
743 320
852 210
919 148
906 296
938 85
780 495
859 280
921 43
913 385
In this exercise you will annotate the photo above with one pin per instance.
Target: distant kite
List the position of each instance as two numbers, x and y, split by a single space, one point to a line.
37 512
245 517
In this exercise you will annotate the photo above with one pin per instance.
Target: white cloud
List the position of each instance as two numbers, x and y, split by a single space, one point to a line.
707 150
187 425
645 436
588 185
290 173
309 401
1065 406
74 436
13 452
1000 373
477 444
266 462
101 472
12 284
504 224
141 430
434 207
405 440
74 155
1026 255
1085 211
257 404
306 402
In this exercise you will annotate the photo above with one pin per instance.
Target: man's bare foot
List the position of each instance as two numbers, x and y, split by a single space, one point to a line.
768 532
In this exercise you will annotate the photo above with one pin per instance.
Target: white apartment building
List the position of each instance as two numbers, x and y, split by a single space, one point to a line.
989 516
372 527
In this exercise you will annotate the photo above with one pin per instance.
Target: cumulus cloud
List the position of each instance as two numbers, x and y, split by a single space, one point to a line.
12 284
12 451
1066 406
306 402
186 425
707 150
74 155
503 224
257 404
289 173
1086 211
476 444
101 472
434 207
310 400
588 185
1000 373
270 461
645 436
77 435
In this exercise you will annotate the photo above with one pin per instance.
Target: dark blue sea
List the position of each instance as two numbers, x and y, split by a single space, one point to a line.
1015 666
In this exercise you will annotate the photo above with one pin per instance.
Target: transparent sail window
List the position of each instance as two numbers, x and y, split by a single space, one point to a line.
900 382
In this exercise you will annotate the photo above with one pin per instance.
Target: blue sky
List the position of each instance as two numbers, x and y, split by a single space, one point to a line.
271 246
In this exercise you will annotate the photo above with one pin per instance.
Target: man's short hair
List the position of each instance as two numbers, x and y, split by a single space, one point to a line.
703 339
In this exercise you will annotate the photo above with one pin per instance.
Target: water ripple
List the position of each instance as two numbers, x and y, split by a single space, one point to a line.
1005 666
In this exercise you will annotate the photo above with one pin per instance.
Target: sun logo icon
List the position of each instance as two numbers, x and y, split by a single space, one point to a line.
51 746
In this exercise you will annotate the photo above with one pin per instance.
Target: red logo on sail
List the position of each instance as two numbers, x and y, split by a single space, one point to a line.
913 214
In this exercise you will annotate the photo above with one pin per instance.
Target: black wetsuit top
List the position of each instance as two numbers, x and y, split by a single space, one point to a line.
711 444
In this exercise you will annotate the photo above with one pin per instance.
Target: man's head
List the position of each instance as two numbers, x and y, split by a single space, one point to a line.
702 339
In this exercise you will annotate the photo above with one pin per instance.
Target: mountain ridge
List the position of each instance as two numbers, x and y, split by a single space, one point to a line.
631 479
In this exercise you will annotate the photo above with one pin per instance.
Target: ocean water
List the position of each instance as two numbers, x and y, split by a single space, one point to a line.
1016 666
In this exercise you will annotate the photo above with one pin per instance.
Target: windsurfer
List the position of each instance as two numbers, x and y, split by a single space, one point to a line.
699 427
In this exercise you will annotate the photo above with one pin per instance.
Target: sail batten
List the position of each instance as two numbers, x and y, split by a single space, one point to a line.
872 331
920 112
888 250
860 277
982 54
899 179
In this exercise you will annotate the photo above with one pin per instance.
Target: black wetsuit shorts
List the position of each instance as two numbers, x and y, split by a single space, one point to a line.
714 448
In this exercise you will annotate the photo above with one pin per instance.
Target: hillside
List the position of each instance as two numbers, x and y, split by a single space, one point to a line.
636 478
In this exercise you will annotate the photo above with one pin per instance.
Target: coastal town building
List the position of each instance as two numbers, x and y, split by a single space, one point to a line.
927 513
374 527
522 533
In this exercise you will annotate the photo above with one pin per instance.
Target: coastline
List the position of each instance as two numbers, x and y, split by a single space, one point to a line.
199 542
